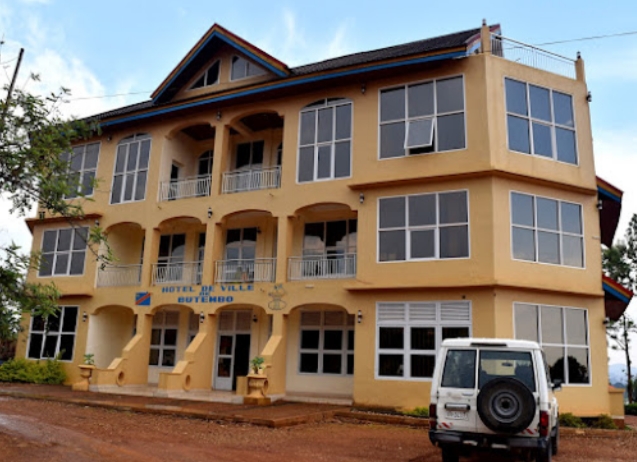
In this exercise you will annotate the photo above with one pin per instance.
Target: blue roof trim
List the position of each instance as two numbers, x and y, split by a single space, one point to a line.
276 86
615 293
603 192
216 34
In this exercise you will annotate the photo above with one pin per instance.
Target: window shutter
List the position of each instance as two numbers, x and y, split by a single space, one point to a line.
172 318
422 312
311 318
226 320
243 320
391 312
455 311
333 318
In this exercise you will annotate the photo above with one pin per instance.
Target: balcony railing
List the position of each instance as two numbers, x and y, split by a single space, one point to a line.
322 267
257 270
251 180
188 187
119 275
188 272
532 56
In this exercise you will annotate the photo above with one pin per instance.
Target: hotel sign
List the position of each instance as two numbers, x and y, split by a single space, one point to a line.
221 293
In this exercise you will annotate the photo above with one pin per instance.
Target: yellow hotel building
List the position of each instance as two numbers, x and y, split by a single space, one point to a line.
339 219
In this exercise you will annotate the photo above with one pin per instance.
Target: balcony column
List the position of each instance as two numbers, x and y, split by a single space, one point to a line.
151 252
485 37
213 234
285 239
221 157
580 72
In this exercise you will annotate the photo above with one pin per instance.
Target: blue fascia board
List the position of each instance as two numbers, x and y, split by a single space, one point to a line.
615 293
285 84
603 192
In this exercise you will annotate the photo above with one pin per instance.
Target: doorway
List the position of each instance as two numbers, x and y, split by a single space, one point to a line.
233 348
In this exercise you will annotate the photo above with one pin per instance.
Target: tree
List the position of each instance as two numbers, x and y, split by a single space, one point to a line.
620 263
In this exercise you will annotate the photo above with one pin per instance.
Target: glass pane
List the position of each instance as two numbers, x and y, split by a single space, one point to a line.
449 96
116 195
515 97
50 345
77 262
131 164
566 151
455 332
392 212
548 245
343 122
91 156
35 346
547 214
450 132
578 365
243 155
324 162
454 242
392 104
518 134
80 238
48 241
309 363
423 338
572 251
332 363
325 125
350 340
225 345
37 323
392 140
460 369
155 337
512 364
121 158
350 364
308 127
563 109
257 152
523 244
576 328
178 245
391 245
249 235
453 207
419 133
170 337
128 186
423 244
552 326
153 358
540 103
310 339
333 340
61 264
422 210
390 365
238 70
144 155
555 361
390 338
526 322
87 183
168 358
342 159
336 232
422 365
542 143
140 187
306 164
64 239
571 218
66 347
54 323
522 209
421 99
46 264
313 240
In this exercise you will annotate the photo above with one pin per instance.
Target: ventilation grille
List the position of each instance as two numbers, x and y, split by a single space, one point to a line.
226 320
422 312
391 312
243 320
455 311
334 318
311 318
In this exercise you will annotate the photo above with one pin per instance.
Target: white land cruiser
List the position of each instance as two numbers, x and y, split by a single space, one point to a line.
493 394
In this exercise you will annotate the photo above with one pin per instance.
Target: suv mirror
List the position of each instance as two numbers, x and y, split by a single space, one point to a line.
556 385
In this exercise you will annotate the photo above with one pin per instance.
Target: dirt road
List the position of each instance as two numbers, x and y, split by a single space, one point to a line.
39 430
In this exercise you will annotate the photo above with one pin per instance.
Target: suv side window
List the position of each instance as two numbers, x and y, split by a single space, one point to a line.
459 371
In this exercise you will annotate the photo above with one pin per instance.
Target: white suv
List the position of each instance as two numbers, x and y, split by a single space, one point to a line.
493 394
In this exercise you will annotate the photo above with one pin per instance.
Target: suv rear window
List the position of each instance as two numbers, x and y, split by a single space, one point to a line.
459 371
513 364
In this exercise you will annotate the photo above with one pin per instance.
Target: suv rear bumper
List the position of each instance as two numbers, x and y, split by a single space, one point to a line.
480 440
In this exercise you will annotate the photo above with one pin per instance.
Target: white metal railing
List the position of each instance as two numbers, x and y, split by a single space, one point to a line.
322 267
251 180
257 270
187 272
532 56
119 275
188 187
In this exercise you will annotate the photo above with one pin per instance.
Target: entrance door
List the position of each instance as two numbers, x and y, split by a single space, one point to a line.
233 348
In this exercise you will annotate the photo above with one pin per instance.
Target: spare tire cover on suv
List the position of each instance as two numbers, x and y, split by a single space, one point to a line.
506 405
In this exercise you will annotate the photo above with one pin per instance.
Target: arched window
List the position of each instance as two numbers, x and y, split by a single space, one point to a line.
209 77
325 140
131 169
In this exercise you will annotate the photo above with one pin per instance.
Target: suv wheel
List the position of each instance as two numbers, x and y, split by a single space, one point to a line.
555 439
449 455
506 405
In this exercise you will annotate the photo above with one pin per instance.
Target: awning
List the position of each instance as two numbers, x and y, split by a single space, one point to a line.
616 298
610 202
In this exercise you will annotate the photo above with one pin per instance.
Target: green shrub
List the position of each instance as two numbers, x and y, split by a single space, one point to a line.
49 371
603 421
569 420
630 409
418 412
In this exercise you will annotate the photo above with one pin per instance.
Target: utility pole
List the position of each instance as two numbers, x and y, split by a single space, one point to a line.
15 76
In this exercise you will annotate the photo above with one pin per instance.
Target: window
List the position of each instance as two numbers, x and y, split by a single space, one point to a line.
325 140
131 169
422 117
63 252
242 68
423 227
546 230
513 364
540 121
330 239
82 167
53 336
459 371
327 343
163 339
249 155
209 77
172 248
409 335
563 334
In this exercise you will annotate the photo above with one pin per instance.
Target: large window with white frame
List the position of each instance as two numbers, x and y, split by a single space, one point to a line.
423 226
131 169
564 336
209 77
63 252
53 336
163 339
422 117
408 336
326 343
540 121
546 230
325 140
82 167
242 69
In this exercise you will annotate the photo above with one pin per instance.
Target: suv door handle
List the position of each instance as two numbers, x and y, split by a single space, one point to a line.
467 393
457 407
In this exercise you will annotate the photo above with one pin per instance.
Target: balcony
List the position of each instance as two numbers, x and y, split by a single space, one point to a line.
177 273
322 267
251 180
257 270
119 275
189 187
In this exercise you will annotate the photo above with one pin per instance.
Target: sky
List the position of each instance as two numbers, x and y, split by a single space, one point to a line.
116 53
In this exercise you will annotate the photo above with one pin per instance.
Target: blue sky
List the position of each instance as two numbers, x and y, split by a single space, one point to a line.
122 47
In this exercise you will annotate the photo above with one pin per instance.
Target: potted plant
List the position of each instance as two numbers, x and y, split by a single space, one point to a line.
86 372
257 364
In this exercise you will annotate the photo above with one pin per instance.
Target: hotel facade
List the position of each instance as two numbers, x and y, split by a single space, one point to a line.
339 219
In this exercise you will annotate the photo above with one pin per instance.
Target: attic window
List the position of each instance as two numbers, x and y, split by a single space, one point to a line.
242 68
210 77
